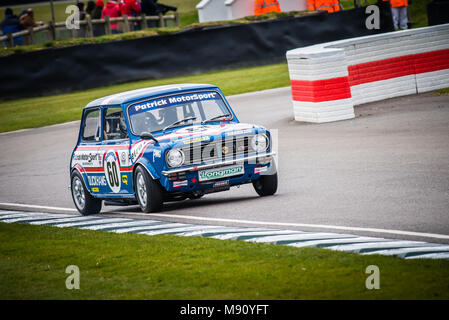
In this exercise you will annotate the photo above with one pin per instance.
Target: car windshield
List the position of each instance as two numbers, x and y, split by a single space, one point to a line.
177 110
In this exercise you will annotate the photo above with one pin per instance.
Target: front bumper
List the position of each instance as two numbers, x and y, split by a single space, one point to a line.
266 157
186 180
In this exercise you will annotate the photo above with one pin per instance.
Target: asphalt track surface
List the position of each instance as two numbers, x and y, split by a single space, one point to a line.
384 173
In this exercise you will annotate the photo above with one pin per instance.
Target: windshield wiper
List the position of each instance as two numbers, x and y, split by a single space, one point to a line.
216 117
178 122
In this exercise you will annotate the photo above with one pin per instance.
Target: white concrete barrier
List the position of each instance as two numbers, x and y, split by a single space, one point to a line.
328 79
219 10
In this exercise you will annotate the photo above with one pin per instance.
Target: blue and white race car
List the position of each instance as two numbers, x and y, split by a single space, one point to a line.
167 143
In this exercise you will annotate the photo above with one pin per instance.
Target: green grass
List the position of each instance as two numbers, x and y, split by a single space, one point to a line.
442 92
42 111
33 260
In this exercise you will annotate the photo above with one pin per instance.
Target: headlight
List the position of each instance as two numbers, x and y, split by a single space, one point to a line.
259 142
175 158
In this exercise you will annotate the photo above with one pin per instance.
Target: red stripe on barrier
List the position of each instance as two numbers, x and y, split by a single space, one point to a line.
321 90
398 67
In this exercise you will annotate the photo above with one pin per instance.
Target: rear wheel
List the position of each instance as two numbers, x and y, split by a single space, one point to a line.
84 201
266 185
149 193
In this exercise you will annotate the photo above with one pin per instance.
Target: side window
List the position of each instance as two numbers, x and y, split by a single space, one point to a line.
91 125
114 126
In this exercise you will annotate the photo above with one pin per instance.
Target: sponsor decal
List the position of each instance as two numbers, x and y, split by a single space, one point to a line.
125 179
137 149
260 170
95 190
173 100
124 158
218 173
112 171
97 180
221 184
194 140
150 105
239 132
177 184
87 158
156 154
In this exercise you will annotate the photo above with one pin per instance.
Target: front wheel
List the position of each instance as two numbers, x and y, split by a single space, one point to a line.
266 185
148 192
84 201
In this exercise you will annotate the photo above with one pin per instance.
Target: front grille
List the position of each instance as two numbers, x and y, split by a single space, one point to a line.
229 148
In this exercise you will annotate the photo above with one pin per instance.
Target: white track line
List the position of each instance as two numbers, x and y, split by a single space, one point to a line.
252 222
30 206
286 224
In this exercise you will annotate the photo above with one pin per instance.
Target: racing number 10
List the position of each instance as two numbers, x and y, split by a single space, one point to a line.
113 174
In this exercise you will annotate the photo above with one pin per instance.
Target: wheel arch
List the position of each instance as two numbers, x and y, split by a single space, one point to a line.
148 167
83 175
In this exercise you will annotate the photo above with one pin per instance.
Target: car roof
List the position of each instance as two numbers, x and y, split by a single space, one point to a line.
128 96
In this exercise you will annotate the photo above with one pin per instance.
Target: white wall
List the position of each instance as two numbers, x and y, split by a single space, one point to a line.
211 10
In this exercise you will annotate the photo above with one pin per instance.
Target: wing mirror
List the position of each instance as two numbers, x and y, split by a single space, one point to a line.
148 136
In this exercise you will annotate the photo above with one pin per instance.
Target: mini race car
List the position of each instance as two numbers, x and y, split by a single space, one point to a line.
166 143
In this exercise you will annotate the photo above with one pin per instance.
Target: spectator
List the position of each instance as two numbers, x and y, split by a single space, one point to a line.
149 7
130 7
90 8
80 6
152 8
112 10
26 18
266 6
98 29
96 12
399 13
11 24
323 5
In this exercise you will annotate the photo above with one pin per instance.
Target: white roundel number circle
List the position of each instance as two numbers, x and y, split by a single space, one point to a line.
112 171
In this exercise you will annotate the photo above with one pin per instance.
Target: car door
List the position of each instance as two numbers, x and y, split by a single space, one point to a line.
115 145
87 157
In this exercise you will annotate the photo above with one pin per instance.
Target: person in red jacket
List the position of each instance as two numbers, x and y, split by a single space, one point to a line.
112 10
266 6
130 7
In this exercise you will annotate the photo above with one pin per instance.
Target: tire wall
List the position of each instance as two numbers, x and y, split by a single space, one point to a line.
330 78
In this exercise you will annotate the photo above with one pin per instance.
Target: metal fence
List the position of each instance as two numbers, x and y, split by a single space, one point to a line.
89 28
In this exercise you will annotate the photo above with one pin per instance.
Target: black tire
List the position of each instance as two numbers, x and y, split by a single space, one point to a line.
266 185
87 205
150 194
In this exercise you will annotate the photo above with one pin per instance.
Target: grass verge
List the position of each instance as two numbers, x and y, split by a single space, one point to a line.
442 92
42 111
33 260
